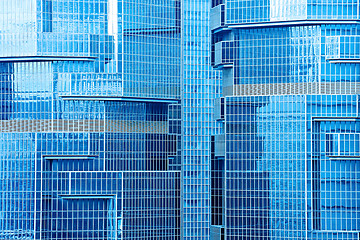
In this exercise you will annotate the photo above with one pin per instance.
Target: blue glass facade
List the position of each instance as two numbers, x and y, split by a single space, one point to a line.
89 124
114 124
287 163
200 85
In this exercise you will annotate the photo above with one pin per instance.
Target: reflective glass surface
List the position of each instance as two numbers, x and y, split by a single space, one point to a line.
253 11
200 87
286 166
89 121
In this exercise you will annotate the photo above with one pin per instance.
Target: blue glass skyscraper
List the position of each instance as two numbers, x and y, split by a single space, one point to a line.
89 123
201 86
287 165
179 119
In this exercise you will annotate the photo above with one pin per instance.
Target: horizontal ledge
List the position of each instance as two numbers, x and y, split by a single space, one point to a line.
345 60
220 29
74 196
45 58
124 99
217 226
221 66
164 171
152 30
345 157
250 171
335 119
291 23
334 231
60 157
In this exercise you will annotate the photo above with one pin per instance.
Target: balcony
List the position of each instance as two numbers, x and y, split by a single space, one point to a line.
217 17
224 52
220 145
343 49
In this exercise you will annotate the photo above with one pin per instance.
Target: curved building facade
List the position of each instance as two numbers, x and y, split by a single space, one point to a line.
287 166
89 102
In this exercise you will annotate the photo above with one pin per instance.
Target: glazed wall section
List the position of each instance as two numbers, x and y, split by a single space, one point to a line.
85 92
252 11
200 87
291 167
290 113
110 205
302 59
136 43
